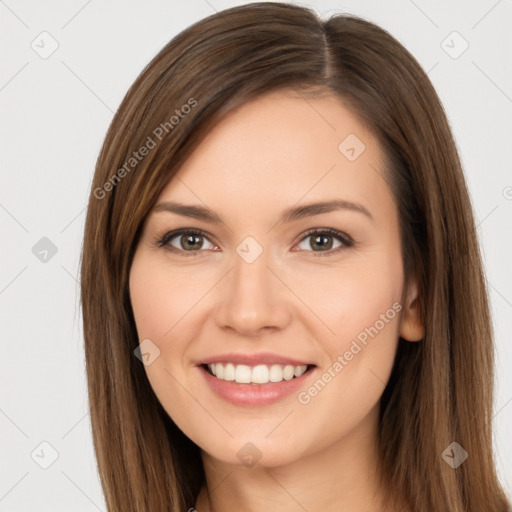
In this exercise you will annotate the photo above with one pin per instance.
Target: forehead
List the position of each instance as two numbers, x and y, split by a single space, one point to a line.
281 148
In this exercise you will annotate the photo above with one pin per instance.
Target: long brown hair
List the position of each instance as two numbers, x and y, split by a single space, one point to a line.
440 390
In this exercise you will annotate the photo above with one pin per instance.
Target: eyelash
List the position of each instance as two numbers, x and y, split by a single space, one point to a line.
164 241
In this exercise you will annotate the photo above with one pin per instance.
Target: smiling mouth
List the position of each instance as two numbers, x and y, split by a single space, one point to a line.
258 374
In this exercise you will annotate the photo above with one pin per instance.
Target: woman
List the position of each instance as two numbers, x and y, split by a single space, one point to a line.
283 299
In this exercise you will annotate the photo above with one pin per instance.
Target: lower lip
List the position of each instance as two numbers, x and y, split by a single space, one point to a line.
254 394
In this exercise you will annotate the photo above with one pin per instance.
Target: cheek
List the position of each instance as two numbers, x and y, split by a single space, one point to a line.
361 306
162 300
160 304
351 298
162 296
359 360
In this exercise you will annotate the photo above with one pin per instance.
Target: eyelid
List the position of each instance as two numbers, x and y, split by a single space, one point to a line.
163 241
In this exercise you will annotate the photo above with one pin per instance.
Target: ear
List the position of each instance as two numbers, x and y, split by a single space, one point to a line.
411 324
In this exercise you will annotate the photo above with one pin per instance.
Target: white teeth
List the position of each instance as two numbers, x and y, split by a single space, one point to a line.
276 373
229 372
299 370
288 372
242 373
260 374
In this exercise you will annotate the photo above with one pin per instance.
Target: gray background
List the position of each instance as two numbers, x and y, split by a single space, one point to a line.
55 112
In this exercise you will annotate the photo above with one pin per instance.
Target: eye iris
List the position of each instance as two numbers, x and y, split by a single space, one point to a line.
188 241
324 242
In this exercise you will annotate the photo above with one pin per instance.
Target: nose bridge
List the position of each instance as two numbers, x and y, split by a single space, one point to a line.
250 274
252 298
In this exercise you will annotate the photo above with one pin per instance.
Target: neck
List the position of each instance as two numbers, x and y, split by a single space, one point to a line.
341 477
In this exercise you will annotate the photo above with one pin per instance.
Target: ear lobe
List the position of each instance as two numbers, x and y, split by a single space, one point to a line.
411 323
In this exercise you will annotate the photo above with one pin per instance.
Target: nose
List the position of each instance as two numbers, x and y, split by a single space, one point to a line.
252 300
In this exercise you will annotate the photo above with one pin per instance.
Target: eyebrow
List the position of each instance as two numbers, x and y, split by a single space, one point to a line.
289 215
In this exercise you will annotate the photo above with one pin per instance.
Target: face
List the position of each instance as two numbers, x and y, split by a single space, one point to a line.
296 308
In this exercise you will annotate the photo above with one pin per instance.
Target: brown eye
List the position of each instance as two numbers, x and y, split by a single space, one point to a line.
191 241
321 242
324 241
185 241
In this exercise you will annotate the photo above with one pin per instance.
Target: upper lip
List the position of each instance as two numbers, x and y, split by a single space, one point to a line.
254 359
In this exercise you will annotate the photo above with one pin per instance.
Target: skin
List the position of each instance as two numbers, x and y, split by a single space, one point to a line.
276 152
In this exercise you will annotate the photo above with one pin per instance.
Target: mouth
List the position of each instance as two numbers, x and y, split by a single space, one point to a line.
255 380
258 374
